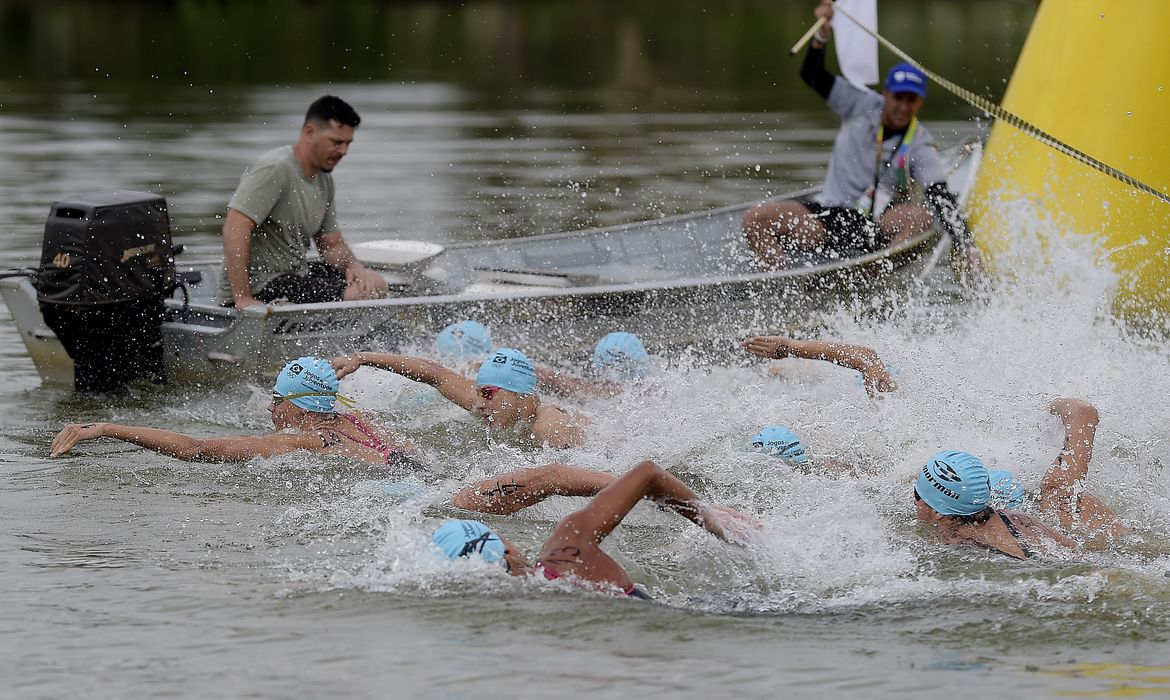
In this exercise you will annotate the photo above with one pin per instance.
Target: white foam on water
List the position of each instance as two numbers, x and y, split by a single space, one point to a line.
976 376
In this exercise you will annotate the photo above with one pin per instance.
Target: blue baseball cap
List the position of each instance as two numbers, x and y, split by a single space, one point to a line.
1007 493
309 383
462 538
464 340
780 441
954 483
621 354
906 78
508 369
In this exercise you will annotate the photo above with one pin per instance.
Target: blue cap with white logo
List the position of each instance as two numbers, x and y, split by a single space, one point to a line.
906 78
309 383
954 483
508 369
463 538
622 355
780 441
465 340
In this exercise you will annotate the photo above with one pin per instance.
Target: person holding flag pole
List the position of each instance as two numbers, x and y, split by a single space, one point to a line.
886 182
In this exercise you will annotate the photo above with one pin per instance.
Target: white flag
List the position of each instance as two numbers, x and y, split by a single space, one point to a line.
857 51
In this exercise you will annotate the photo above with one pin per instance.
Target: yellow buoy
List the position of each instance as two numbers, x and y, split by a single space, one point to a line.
1096 75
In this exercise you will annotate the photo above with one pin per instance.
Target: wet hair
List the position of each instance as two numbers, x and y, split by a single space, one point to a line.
972 519
332 108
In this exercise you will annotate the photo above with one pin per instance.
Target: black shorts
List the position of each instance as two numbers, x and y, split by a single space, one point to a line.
850 231
323 283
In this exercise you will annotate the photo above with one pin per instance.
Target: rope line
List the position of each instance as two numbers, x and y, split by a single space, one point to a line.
1003 115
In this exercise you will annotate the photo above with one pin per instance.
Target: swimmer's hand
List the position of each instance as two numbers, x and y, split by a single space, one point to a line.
729 524
345 365
772 347
72 434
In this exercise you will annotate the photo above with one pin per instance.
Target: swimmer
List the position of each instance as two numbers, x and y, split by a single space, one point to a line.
952 495
573 551
302 408
503 393
463 342
619 359
782 442
874 374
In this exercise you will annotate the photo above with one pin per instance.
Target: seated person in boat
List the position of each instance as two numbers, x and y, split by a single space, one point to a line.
284 202
503 393
875 375
884 181
302 408
953 489
619 359
573 550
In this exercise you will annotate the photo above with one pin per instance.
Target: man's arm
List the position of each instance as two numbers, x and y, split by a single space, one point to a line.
452 385
233 449
237 253
856 357
365 284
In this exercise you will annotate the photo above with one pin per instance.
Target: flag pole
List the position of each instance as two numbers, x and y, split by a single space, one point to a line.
807 37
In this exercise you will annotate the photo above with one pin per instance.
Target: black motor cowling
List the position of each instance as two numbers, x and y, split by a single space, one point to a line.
106 266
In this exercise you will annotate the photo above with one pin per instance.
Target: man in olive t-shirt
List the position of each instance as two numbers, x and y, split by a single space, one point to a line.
284 202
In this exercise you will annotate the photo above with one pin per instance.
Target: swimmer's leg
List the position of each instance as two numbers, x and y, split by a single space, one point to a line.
507 493
1062 490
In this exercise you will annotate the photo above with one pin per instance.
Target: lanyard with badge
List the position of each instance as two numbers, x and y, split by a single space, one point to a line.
897 160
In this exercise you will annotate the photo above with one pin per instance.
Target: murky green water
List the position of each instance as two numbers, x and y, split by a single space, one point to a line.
127 574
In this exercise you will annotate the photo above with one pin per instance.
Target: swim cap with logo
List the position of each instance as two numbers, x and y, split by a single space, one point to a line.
462 538
465 340
508 369
621 354
309 383
1007 493
954 483
780 441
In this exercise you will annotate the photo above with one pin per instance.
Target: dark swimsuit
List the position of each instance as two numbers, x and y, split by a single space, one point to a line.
1028 551
551 574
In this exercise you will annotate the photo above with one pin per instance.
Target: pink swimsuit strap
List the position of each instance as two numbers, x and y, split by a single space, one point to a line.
373 441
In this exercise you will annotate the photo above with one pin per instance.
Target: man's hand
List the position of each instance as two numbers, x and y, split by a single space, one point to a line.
824 11
243 302
72 434
364 283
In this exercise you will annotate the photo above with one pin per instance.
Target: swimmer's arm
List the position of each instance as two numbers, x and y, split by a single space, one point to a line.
507 493
856 357
554 382
185 447
1080 420
452 385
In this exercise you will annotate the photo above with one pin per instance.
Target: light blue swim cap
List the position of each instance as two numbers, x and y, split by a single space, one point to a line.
508 369
954 483
462 538
463 341
1007 493
780 441
309 383
621 354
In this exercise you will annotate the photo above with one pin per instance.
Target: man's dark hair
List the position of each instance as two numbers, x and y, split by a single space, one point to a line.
332 108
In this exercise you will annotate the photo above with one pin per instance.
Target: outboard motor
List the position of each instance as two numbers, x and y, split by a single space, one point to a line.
106 266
